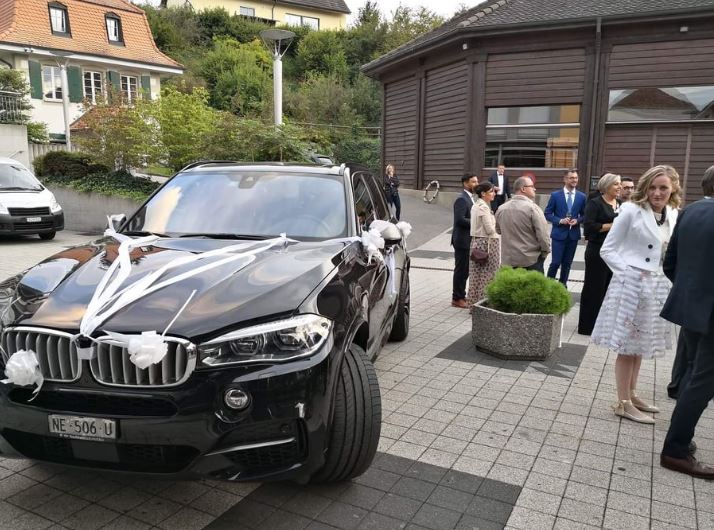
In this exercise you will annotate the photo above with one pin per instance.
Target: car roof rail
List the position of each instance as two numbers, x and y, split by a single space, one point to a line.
198 163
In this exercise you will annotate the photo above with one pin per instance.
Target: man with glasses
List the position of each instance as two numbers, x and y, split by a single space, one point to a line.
525 241
628 186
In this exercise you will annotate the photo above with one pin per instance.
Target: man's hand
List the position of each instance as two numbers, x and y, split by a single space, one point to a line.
572 222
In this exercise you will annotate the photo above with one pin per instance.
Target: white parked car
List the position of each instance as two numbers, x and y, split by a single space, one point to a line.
26 206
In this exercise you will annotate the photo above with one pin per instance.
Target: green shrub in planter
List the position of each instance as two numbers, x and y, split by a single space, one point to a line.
63 166
523 291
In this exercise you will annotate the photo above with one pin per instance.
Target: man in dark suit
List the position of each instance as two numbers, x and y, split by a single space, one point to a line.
461 239
565 212
503 189
690 304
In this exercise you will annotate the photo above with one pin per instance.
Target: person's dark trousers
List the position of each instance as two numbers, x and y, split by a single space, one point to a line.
461 273
563 252
395 201
683 362
497 201
597 279
693 399
537 266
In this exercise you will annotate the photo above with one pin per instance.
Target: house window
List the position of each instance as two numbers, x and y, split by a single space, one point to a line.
59 20
129 88
93 86
51 83
247 11
684 103
533 137
114 32
299 20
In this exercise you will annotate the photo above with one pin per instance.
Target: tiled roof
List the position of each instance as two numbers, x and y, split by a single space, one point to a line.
506 13
326 5
27 23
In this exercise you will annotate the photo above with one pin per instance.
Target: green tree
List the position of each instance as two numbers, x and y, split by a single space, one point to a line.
322 53
321 99
408 23
364 40
185 121
15 109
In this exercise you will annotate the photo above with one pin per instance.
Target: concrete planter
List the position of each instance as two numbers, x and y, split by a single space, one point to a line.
511 336
87 212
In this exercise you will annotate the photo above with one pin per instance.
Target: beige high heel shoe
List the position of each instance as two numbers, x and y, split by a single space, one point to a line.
625 409
643 405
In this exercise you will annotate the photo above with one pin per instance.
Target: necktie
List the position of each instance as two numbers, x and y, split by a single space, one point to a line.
569 201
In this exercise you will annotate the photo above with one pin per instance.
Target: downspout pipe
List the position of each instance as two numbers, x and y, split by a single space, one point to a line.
596 97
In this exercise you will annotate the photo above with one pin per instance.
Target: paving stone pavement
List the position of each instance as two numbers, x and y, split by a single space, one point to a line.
467 442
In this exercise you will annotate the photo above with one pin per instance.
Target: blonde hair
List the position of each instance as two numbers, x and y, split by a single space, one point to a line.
607 180
639 196
386 169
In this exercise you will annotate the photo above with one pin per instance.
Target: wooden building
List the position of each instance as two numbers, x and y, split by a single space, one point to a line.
543 85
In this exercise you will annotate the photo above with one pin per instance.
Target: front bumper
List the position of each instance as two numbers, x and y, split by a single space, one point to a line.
186 431
33 224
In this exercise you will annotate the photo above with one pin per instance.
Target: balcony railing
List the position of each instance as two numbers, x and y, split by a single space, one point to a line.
11 107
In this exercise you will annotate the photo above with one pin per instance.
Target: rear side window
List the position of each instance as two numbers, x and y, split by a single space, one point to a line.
364 207
380 203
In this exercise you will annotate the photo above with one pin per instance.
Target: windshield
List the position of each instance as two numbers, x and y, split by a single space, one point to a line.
17 178
236 203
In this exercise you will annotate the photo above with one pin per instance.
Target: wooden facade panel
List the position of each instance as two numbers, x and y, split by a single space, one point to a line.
671 63
400 116
533 78
700 159
627 150
445 104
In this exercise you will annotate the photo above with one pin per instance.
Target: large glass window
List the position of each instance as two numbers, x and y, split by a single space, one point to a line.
684 103
114 33
51 83
247 11
129 88
533 137
299 20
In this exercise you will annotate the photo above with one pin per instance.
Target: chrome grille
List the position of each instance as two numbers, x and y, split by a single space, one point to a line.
112 366
55 352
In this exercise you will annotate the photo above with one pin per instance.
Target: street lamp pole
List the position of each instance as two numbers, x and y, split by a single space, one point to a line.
277 41
64 56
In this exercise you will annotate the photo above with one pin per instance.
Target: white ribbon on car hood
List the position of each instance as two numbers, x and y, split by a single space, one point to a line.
109 298
23 369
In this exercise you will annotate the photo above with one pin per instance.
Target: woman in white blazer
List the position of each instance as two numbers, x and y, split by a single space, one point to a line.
629 322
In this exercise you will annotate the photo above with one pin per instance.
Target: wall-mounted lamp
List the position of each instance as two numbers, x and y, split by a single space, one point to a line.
683 29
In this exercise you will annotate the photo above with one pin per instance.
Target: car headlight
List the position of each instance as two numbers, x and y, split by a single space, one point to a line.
278 341
54 205
3 210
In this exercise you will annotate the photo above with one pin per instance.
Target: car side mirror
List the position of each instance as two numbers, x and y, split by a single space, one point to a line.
391 234
116 220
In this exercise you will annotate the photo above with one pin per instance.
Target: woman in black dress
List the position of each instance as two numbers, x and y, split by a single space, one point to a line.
600 212
391 189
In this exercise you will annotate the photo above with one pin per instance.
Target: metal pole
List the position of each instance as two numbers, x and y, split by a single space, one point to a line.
65 104
278 88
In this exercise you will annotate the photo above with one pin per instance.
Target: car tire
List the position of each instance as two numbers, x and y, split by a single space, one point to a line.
356 420
47 235
400 328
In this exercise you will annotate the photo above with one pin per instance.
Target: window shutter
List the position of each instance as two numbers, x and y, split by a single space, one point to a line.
74 82
35 80
146 86
114 83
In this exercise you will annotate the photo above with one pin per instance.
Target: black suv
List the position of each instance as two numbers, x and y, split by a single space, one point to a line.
267 372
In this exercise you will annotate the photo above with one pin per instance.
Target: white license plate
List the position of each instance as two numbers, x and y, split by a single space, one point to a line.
33 219
83 428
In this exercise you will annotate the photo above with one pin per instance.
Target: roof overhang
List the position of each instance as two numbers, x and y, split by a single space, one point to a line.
378 66
48 52
297 3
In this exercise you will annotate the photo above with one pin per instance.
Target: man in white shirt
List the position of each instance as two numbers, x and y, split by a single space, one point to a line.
503 190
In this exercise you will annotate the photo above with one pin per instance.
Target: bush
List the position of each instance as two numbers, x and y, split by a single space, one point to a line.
117 183
359 149
63 166
523 291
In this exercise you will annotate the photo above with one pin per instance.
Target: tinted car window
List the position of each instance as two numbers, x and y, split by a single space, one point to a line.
247 203
363 203
380 204
16 177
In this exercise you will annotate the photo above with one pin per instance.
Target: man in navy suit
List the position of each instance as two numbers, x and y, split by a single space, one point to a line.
565 212
503 190
690 304
461 239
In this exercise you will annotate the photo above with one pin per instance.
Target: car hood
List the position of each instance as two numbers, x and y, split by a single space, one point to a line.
55 293
25 199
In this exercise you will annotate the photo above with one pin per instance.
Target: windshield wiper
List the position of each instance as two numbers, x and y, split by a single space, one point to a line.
142 233
226 235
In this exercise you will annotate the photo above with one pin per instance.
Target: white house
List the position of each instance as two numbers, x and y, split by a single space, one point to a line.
106 46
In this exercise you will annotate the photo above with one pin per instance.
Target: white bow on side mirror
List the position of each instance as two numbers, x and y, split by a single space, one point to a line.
116 220
389 231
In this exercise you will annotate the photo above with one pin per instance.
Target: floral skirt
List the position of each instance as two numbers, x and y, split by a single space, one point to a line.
481 275
629 321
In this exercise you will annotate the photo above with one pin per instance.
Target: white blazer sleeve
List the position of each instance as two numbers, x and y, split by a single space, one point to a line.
616 239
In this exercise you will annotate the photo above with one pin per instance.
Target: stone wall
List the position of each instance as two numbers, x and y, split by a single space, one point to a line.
13 142
87 212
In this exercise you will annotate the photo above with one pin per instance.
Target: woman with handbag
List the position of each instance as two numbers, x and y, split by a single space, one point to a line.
485 242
